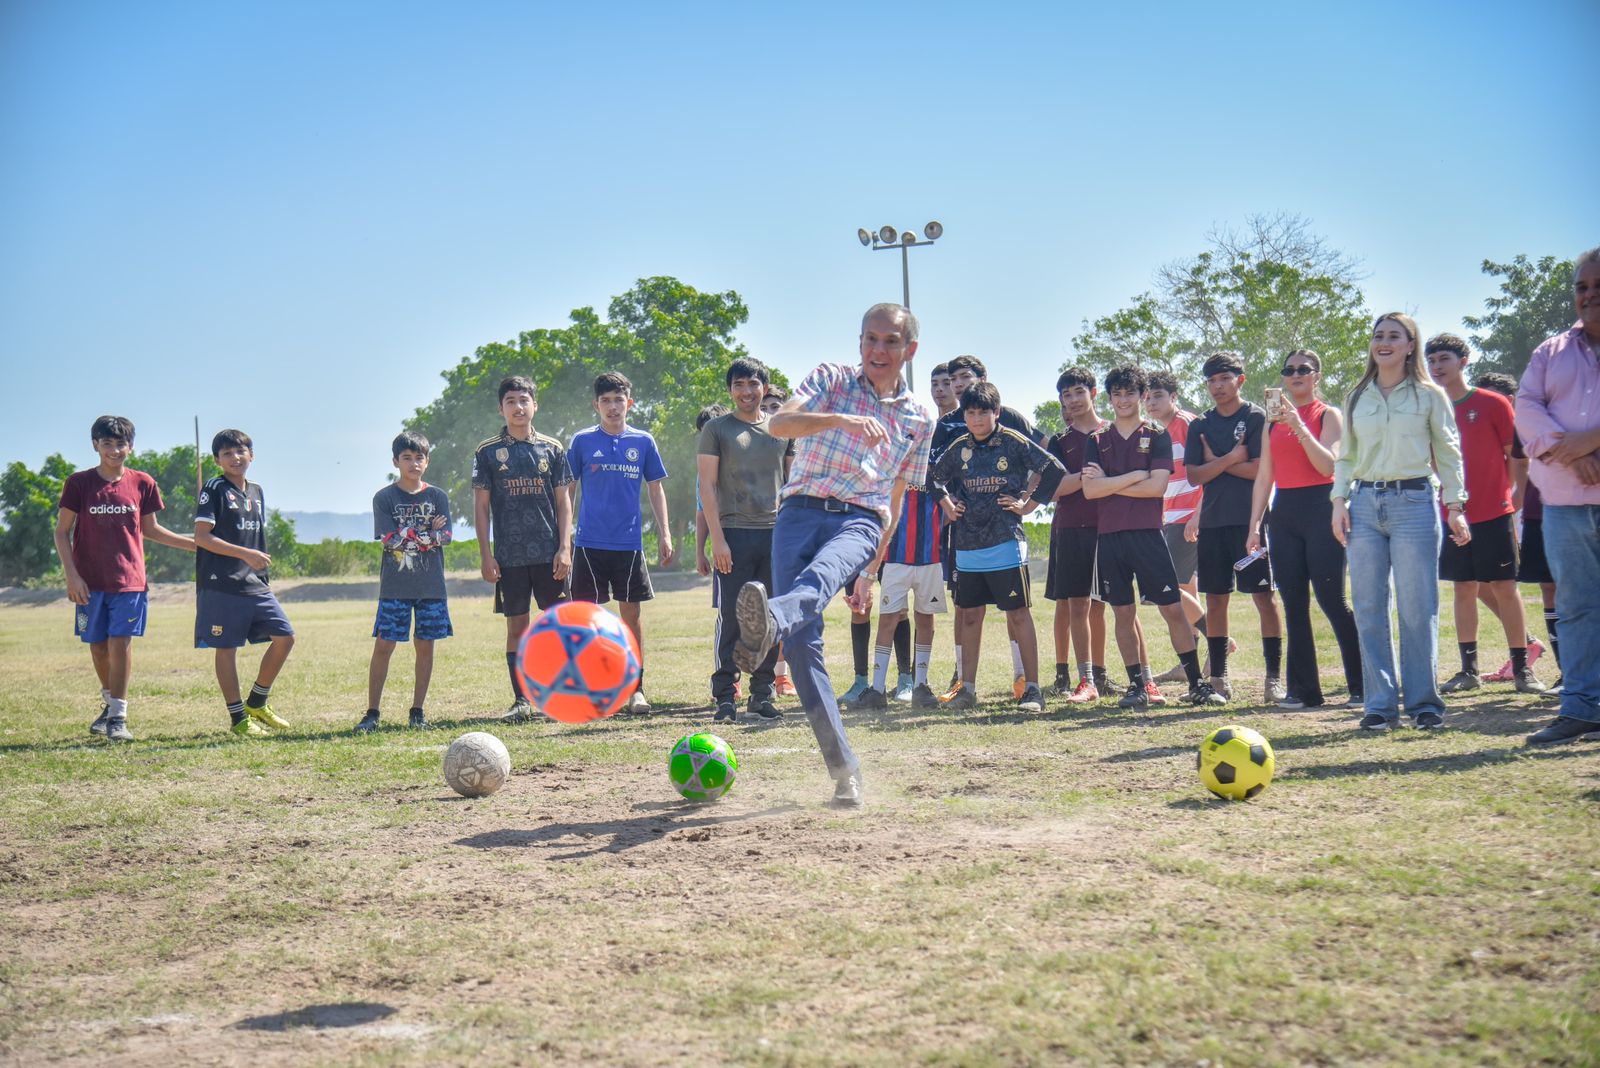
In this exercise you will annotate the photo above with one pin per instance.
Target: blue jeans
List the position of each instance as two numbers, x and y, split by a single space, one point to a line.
814 553
1572 545
1397 532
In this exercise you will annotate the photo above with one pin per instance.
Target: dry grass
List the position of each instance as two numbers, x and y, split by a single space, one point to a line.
1023 889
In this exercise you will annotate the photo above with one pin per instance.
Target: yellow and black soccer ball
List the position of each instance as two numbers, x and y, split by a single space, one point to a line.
1235 762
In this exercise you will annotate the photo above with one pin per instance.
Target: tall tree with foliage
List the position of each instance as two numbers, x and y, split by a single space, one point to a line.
1535 301
29 501
1263 290
671 340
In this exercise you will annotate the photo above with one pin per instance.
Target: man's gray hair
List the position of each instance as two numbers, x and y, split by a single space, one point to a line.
1584 259
908 322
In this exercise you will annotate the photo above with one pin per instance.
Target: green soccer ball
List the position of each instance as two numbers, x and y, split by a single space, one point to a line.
1235 762
702 767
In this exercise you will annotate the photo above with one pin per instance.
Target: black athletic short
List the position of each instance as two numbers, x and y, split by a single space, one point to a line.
1070 572
1531 563
522 585
1184 552
600 574
1005 590
1221 548
1491 555
1128 555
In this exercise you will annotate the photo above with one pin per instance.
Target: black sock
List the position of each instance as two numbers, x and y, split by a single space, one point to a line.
1063 673
236 711
902 646
258 696
1102 681
1519 659
1218 648
416 712
1191 665
1272 649
374 713
1136 674
1469 657
1550 621
511 667
860 636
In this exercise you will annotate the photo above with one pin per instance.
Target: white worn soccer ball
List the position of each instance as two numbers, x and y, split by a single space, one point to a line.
476 764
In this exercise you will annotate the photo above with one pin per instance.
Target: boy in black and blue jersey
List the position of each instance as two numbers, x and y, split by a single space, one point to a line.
982 479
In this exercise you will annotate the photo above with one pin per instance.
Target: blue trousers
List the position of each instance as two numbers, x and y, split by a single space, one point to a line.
1572 544
814 553
1396 532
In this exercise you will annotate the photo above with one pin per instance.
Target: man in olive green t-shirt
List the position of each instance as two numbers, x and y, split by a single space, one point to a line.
742 467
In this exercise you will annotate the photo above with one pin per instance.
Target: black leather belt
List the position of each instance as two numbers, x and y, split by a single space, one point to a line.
832 504
1395 484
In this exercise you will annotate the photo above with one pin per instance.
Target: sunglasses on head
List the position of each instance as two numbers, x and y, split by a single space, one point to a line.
1298 369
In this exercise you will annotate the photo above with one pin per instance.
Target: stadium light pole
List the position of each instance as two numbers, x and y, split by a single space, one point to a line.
887 237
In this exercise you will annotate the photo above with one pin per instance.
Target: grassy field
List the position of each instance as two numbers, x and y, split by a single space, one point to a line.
1022 889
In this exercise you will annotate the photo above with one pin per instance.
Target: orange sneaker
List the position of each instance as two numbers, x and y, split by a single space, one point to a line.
1083 694
782 686
951 692
1019 686
1154 693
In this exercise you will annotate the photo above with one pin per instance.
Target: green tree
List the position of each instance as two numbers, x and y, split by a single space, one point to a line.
1263 290
1535 301
1048 419
173 470
29 501
672 341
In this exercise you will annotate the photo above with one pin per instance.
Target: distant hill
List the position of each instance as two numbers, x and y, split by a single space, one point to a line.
312 527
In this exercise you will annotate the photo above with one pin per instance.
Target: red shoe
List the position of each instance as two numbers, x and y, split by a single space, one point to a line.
1153 692
1505 674
1535 651
782 686
1083 694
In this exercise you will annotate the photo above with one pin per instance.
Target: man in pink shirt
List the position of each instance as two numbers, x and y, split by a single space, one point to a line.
1558 418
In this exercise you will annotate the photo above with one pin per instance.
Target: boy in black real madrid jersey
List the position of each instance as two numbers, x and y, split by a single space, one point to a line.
982 479
412 521
520 508
1125 467
234 604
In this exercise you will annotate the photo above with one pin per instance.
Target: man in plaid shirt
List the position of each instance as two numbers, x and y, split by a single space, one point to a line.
863 439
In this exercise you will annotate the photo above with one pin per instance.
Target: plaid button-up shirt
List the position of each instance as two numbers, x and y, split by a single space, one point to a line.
837 463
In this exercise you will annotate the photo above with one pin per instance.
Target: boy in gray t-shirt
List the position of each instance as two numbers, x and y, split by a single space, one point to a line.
412 520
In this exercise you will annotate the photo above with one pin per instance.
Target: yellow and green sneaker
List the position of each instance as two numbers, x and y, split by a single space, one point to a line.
266 715
249 728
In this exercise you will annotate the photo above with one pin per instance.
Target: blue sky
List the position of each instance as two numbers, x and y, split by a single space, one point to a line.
291 217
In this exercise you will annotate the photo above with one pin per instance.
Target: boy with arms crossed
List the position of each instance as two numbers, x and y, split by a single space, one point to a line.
1126 467
1223 451
1486 423
609 462
234 603
412 520
520 508
1080 621
982 479
105 514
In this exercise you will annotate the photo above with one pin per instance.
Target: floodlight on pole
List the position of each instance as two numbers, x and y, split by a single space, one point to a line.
888 237
865 236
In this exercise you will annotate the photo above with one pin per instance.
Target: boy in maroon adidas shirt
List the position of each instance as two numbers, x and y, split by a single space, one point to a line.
105 514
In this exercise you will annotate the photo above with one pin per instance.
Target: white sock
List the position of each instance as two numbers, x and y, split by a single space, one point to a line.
119 707
782 668
919 658
958 660
880 666
1016 659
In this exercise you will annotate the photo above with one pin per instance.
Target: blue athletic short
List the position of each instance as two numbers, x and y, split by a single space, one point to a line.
394 619
111 615
228 620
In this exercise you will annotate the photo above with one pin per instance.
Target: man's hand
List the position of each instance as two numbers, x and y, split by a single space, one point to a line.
667 551
438 522
721 556
258 561
1587 468
1572 446
701 564
1341 522
953 509
491 570
1015 506
1191 529
1253 542
859 600
1239 454
77 589
560 567
865 426
1091 472
1460 533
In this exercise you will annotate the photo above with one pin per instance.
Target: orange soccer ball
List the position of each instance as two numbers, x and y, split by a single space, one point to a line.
577 662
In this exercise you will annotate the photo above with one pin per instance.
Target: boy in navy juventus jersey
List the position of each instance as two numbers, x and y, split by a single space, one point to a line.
233 603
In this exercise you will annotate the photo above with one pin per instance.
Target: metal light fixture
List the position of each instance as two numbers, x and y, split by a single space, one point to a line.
887 234
865 236
908 237
933 231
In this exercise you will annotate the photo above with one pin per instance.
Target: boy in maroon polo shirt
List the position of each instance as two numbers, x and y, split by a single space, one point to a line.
1080 621
106 513
1488 563
1126 467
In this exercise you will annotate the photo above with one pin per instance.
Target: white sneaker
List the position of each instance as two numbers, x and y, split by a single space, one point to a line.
637 705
